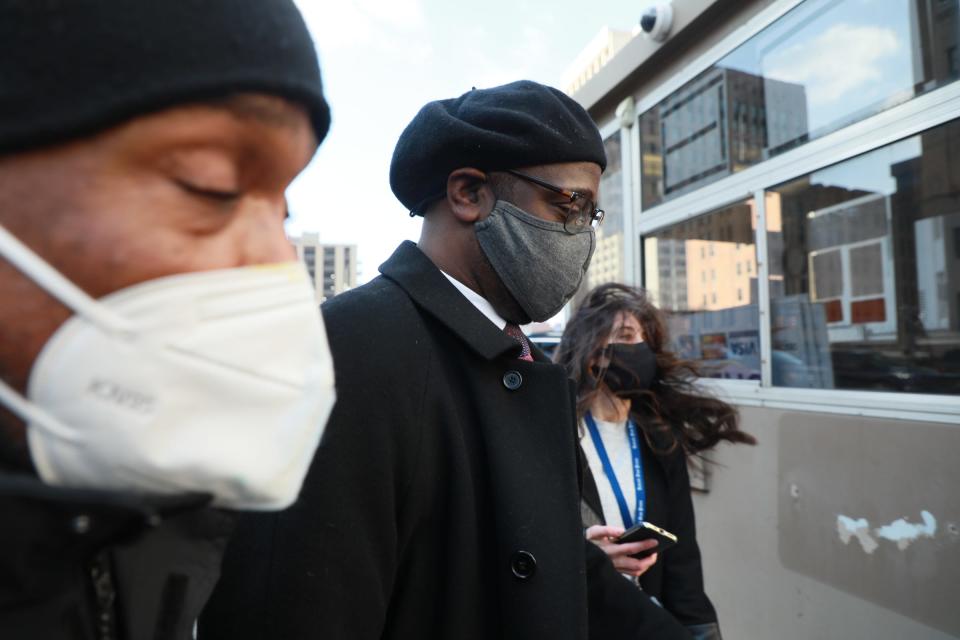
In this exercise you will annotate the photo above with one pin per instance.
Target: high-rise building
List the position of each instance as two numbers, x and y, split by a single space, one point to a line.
332 267
594 56
608 257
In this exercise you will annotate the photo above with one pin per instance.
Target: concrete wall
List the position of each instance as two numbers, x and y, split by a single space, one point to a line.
775 560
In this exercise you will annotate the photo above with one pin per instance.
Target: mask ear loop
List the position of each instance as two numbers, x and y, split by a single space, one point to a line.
45 276
54 283
34 415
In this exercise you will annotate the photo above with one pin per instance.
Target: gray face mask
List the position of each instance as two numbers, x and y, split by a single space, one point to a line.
540 264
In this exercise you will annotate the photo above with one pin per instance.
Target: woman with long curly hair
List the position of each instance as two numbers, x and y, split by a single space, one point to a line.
641 416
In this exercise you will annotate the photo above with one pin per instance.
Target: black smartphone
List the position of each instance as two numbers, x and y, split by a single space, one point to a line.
647 531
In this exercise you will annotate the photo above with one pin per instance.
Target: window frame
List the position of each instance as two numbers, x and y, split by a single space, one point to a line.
904 120
847 298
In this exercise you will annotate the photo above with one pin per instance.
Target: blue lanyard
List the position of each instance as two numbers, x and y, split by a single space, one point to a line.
612 477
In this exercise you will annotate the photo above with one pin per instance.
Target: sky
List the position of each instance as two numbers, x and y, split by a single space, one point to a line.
852 58
381 60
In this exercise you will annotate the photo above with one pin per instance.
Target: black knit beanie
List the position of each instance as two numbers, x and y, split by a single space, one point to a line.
515 125
69 68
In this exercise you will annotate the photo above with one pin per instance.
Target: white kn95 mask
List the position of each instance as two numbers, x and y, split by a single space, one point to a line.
218 382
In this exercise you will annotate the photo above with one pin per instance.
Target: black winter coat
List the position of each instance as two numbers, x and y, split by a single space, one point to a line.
96 565
443 501
676 579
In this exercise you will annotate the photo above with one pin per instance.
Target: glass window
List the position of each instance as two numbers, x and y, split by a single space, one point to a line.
865 270
820 67
722 334
607 263
827 275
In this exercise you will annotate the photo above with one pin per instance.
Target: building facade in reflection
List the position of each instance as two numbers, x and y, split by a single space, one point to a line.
863 266
719 124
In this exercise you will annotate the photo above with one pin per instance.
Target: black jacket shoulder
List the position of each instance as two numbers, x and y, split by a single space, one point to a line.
78 564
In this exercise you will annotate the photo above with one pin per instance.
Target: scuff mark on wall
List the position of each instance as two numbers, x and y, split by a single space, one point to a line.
905 533
848 528
899 531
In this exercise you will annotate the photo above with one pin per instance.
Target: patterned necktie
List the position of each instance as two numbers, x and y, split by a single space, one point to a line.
514 332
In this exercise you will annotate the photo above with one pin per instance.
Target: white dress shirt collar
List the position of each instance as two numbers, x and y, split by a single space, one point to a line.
478 301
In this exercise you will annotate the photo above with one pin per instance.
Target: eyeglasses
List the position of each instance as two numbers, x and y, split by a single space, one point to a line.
582 213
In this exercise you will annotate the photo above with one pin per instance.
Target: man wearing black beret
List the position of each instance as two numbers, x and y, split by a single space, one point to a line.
145 149
444 499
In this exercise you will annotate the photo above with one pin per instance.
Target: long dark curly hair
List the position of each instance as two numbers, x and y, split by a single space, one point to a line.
673 412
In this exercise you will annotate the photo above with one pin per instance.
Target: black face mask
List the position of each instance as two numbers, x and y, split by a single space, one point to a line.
632 368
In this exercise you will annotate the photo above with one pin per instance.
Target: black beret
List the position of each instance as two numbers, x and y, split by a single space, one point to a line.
69 68
516 125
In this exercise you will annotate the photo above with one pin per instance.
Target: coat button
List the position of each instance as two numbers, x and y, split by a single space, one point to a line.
523 565
512 380
80 524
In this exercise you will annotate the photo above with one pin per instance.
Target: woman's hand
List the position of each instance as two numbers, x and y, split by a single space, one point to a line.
604 536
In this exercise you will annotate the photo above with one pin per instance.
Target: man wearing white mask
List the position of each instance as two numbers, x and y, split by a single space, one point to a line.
160 350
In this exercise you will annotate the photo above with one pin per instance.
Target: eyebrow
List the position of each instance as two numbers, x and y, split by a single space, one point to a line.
587 192
584 191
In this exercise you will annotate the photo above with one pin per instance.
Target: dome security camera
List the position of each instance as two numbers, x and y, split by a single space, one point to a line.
657 20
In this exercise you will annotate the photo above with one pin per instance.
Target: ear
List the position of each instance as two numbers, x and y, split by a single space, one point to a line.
469 195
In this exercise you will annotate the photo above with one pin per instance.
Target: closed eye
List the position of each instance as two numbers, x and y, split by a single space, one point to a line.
560 213
215 194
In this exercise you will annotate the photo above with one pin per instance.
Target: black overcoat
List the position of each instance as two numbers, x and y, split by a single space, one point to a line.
676 579
443 501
